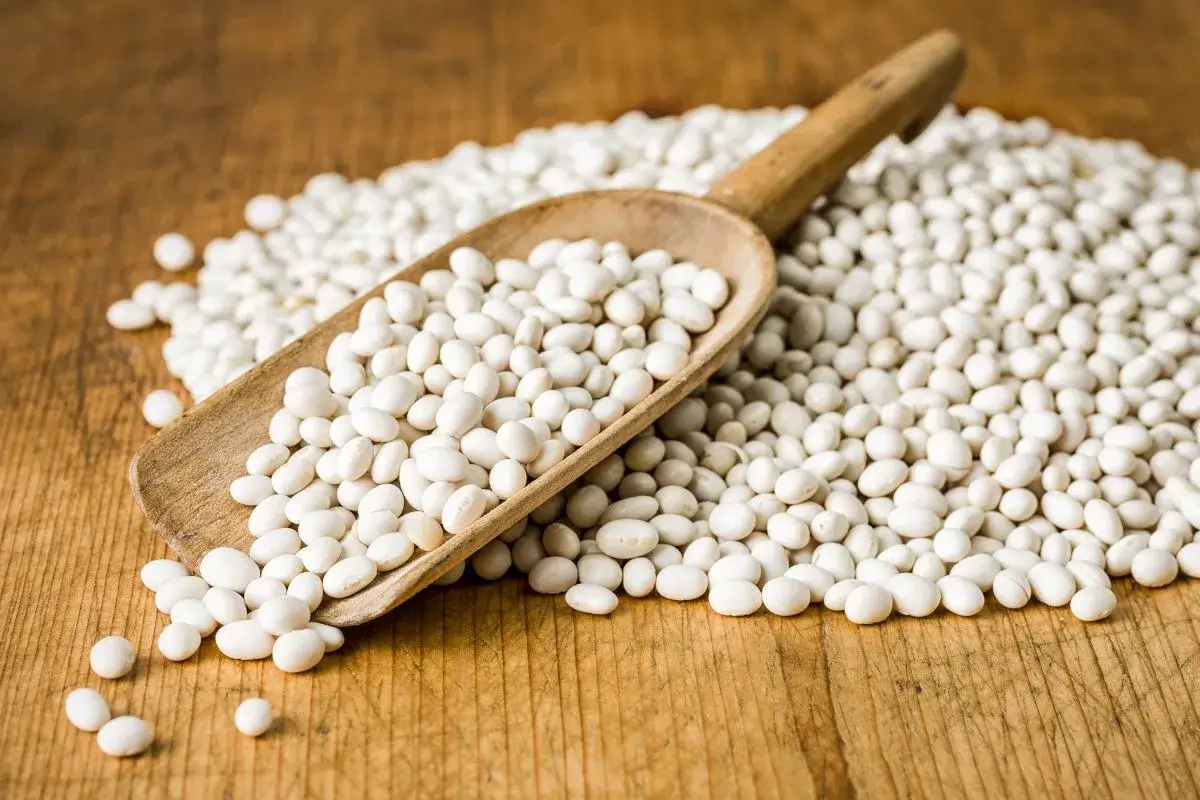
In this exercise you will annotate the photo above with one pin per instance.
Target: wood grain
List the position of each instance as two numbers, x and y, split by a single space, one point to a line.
126 118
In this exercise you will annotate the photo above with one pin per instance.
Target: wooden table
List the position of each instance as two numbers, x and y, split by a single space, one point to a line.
123 119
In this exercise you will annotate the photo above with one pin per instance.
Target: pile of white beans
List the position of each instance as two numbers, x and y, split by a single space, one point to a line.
451 394
980 374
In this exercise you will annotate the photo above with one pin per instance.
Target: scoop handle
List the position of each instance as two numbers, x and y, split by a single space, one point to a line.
900 95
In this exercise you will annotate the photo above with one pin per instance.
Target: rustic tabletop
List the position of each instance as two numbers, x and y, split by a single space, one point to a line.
122 119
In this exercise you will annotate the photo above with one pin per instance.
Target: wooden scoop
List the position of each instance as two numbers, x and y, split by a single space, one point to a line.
181 477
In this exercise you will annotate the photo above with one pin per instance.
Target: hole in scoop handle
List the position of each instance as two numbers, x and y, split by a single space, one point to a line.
900 95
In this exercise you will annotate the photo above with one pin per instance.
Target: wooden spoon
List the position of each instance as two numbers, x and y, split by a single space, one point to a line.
181 477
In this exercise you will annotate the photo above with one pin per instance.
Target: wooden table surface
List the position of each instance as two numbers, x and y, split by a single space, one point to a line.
122 119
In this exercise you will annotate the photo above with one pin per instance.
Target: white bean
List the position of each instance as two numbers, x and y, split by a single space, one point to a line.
1154 568
590 598
87 710
253 717
734 598
681 582
179 641
960 596
245 640
125 736
553 575
1052 583
349 576
785 597
626 538
912 595
868 604
298 650
1093 603
1012 588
